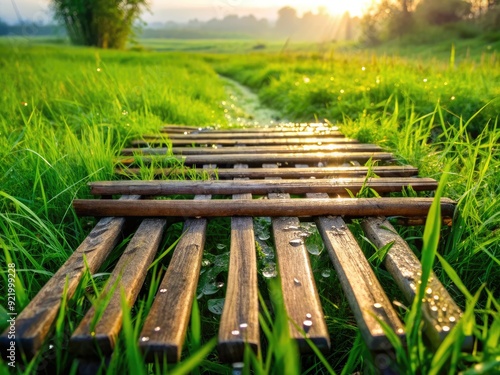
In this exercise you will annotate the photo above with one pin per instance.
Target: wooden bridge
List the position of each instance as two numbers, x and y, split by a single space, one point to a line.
253 173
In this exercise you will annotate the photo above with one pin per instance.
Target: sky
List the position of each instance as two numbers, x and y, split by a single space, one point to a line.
182 11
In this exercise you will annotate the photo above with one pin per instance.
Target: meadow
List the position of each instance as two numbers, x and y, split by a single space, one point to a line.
65 113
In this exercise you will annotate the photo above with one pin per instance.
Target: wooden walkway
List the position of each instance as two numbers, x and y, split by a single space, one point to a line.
253 173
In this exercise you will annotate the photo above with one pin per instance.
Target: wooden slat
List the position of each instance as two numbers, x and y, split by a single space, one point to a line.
234 136
269 129
260 173
300 296
258 159
348 147
439 310
349 207
36 320
240 317
362 289
127 279
164 331
331 186
248 142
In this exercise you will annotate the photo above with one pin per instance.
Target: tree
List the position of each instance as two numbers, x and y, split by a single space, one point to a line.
287 21
99 23
444 11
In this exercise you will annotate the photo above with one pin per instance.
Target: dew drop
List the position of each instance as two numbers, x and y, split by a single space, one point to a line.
446 328
452 319
428 291
235 332
215 306
296 242
220 246
157 329
436 297
220 284
434 308
163 290
243 325
326 273
377 305
263 236
269 271
309 316
296 281
314 249
145 339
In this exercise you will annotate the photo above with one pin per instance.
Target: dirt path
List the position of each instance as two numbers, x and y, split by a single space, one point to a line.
244 108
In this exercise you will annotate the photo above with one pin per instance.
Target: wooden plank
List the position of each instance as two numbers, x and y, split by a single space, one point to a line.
440 312
240 317
300 296
331 186
101 328
260 173
267 128
349 207
347 147
35 321
362 289
236 136
164 331
259 159
248 142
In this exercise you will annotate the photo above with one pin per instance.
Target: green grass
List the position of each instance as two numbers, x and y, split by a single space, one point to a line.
66 112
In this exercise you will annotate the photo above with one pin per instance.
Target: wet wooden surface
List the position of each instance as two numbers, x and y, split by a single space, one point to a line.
301 207
261 187
36 320
101 326
239 324
441 314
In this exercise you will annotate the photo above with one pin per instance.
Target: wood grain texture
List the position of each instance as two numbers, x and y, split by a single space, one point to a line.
159 141
347 147
260 173
258 159
165 328
101 326
317 127
362 289
440 312
300 295
261 187
35 321
240 317
242 135
301 207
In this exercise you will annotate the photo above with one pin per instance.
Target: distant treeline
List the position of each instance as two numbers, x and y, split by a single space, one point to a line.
310 26
30 29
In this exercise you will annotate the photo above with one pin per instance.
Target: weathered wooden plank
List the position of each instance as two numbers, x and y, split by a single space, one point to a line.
102 327
347 147
237 135
258 159
300 296
36 320
440 312
232 142
267 128
349 207
331 186
260 173
239 324
165 328
362 289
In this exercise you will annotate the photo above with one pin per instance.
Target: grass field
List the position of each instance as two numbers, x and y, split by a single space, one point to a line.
65 112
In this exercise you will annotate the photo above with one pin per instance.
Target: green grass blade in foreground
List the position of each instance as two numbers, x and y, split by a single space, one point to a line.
133 355
195 359
430 243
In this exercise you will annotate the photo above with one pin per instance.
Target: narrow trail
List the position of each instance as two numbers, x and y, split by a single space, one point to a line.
245 109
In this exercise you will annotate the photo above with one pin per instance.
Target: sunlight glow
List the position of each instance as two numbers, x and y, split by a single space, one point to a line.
335 7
